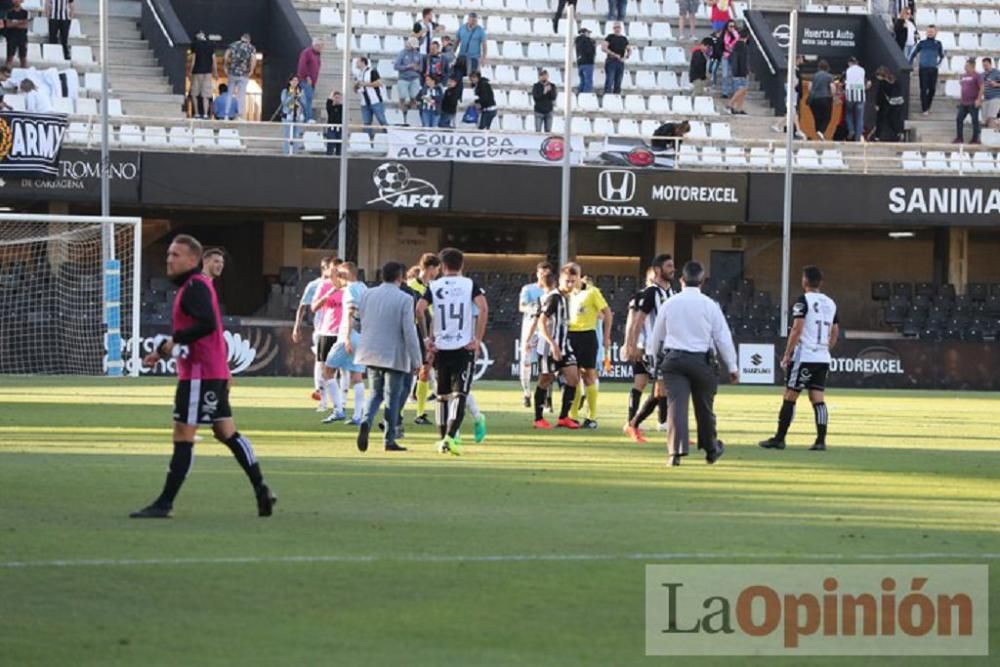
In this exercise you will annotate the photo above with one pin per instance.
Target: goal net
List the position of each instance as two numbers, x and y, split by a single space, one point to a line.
69 294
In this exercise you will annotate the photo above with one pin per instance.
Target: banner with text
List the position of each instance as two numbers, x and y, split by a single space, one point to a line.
30 143
471 146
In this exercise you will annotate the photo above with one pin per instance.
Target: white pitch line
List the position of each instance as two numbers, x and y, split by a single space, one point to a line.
498 558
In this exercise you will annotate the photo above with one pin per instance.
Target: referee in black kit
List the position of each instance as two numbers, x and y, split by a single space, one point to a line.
689 328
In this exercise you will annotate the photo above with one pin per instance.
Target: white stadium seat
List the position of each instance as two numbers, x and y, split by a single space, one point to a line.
40 26
638 30
92 82
130 135
968 41
511 122
371 44
604 126
612 104
968 18
990 18
512 50
580 125
668 80
85 106
705 106
53 53
82 56
34 52
960 162
330 16
698 130
659 104
587 102
832 158
913 161
378 19
312 142
648 127
681 105
520 100
635 104
229 138
521 26
653 56
78 133
983 161
675 55
721 131
401 20
628 127
807 158
557 52
760 157
62 105
947 40
204 137
662 31
952 88
735 156
711 155
990 41
688 154
180 137
156 136
936 161
115 108
537 51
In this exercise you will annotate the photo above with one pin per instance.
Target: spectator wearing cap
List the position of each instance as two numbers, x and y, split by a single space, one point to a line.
425 29
486 102
544 95
448 53
309 64
559 12
410 65
586 51
471 40
618 49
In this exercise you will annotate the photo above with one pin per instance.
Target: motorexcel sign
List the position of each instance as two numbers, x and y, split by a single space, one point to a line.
631 193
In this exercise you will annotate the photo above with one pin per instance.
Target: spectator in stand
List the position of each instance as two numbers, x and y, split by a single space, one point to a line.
429 99
739 72
698 69
16 30
486 103
35 100
60 15
729 38
668 136
240 62
721 14
970 101
991 93
780 126
449 103
689 8
617 9
544 95
586 51
820 98
471 41
335 120
447 54
856 85
6 84
618 49
410 64
369 84
840 99
434 63
425 29
931 53
203 74
715 53
906 32
292 113
559 12
888 105
225 107
310 61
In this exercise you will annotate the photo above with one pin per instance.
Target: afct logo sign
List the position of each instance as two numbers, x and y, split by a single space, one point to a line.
822 609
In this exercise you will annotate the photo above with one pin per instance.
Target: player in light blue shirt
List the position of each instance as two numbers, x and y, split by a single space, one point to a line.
531 297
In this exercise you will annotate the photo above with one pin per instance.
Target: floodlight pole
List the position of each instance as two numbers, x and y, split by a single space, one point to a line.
107 232
345 92
790 115
567 136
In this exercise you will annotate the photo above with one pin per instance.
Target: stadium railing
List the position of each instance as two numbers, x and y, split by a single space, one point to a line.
699 150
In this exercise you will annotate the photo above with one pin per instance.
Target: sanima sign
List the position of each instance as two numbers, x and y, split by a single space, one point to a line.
638 193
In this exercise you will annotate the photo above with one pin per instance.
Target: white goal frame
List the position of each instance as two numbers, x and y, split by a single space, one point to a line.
111 285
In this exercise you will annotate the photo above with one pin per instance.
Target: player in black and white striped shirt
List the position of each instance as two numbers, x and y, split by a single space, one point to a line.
646 307
555 349
60 15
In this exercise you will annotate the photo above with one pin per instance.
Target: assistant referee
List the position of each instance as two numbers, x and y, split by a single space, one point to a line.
691 327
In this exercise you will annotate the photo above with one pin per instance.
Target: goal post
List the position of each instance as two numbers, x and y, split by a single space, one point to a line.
70 294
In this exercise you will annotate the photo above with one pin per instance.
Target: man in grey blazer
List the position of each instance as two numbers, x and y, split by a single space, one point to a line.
389 348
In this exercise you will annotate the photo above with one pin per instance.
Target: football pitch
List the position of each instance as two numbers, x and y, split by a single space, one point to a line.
528 549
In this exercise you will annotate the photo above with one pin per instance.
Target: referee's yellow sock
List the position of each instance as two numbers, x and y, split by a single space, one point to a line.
574 412
423 390
591 392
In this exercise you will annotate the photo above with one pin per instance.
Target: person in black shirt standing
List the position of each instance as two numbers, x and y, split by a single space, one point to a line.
16 30
203 74
485 100
618 49
698 70
586 50
559 12
544 95
739 70
60 16
335 118
449 103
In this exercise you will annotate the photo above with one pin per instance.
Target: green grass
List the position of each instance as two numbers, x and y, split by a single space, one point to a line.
907 473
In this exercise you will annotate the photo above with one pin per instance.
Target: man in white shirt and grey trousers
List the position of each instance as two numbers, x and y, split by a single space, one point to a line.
689 328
